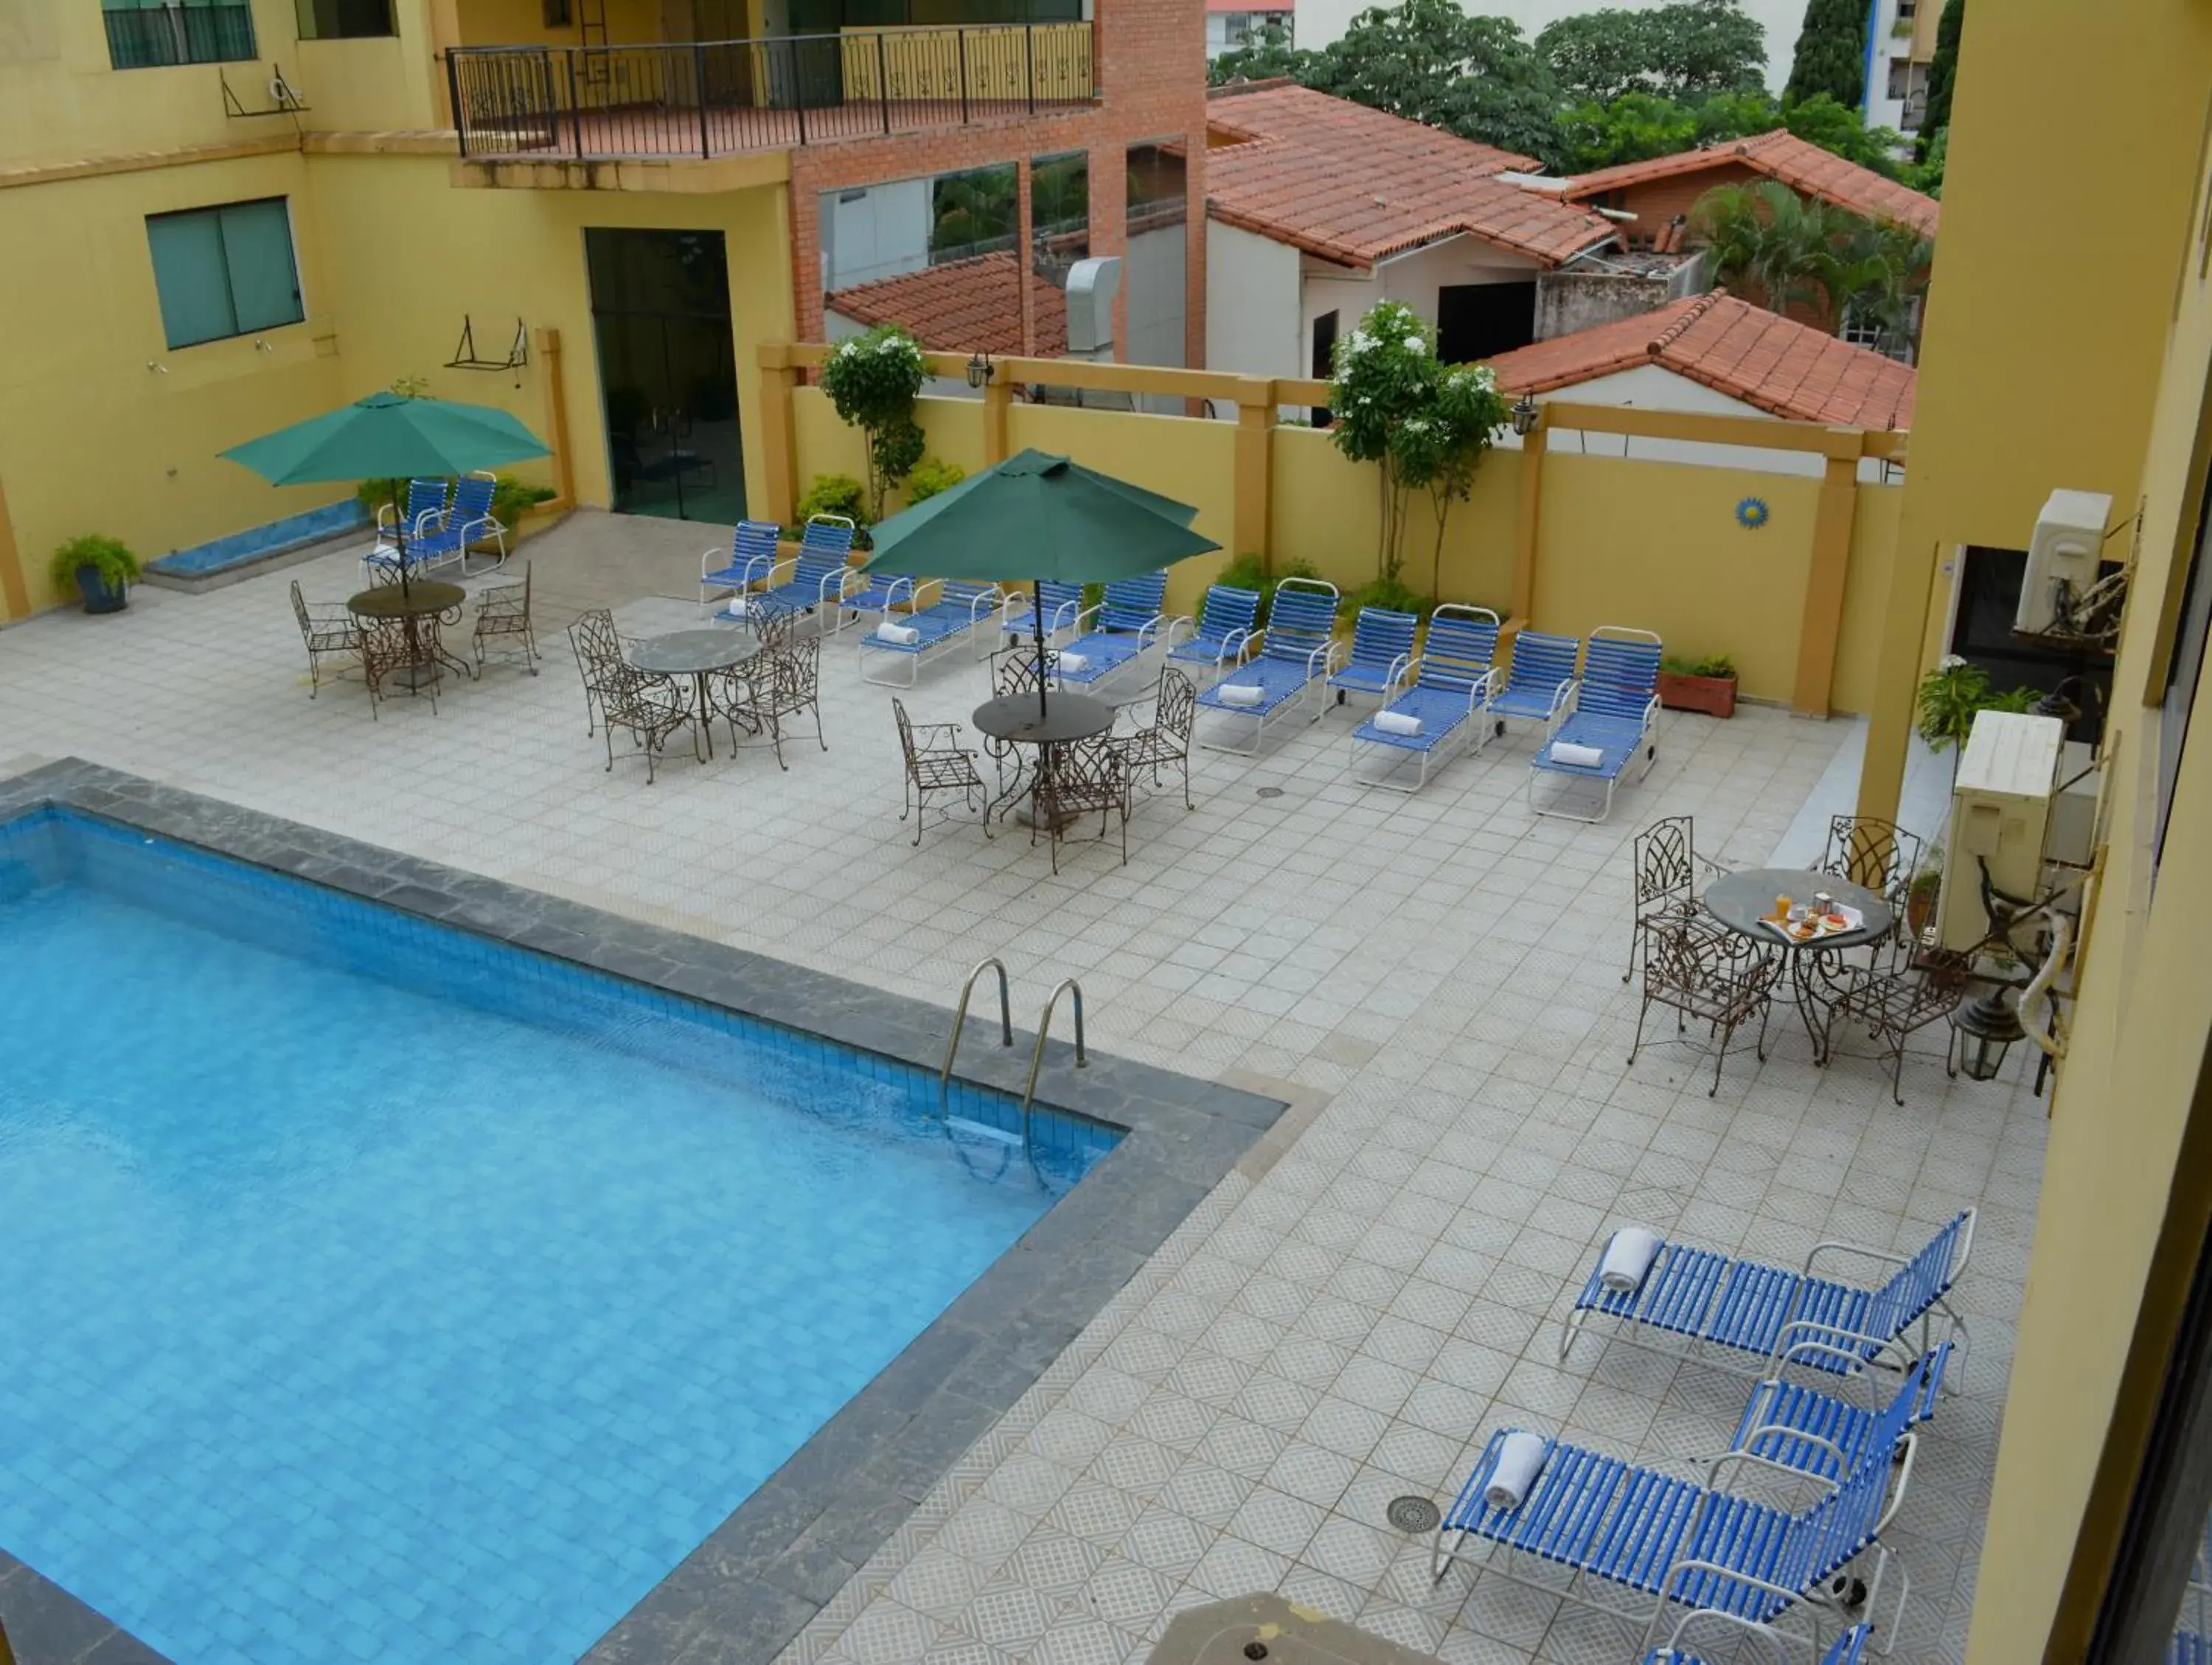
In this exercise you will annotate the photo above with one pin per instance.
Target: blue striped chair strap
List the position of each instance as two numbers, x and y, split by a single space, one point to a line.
1542 662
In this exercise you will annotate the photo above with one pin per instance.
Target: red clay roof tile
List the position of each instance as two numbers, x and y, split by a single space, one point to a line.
1353 185
1798 163
1783 368
961 307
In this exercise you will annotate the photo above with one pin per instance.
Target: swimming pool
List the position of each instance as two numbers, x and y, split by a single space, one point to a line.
387 1292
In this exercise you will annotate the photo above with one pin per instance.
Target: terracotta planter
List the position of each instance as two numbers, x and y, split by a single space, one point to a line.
1713 695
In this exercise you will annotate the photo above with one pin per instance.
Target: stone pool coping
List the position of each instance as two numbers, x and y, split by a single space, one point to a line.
762 1575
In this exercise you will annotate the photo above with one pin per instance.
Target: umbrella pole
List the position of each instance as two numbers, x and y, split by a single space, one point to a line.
1036 621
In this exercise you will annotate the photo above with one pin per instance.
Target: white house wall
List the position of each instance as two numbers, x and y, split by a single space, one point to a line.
1253 325
877 231
1154 286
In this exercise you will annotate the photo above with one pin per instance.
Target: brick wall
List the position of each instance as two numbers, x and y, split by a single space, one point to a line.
1659 201
1151 63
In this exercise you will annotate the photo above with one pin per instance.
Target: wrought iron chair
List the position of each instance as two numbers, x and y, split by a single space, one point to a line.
776 683
1893 1006
935 762
1166 742
386 650
1665 885
1015 670
1882 856
327 629
1703 970
592 640
1085 776
651 708
503 610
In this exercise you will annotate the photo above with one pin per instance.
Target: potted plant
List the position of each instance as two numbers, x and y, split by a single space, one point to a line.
1921 894
100 567
1952 696
1707 684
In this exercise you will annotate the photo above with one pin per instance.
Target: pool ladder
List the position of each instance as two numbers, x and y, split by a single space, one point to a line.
1066 984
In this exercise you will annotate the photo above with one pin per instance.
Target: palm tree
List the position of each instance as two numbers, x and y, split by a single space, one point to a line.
1776 249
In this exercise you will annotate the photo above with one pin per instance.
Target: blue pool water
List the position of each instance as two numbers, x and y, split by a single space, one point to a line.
378 1292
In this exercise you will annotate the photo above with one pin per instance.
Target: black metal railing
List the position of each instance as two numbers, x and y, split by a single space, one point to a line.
717 98
156 36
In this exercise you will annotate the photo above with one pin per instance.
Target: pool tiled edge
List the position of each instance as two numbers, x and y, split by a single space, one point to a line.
772 1566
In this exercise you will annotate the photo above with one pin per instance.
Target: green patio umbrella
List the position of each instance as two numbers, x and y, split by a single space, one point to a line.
389 436
1036 516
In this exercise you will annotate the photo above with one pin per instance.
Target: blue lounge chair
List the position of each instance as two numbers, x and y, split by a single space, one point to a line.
1224 628
1767 1312
1537 683
1850 1648
1691 1543
1450 682
1296 651
426 507
467 521
952 610
1381 653
752 556
818 578
1616 710
1114 636
1062 602
1819 1434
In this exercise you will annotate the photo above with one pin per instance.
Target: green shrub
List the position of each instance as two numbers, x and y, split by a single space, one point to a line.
1713 665
108 556
510 497
373 495
930 477
1392 594
834 494
1248 571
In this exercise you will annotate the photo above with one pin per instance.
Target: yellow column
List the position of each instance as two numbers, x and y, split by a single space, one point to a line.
1525 527
998 400
1823 622
15 591
779 448
1897 677
1254 480
556 417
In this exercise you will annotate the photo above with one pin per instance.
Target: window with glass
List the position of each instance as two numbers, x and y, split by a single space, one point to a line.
153 35
344 19
224 271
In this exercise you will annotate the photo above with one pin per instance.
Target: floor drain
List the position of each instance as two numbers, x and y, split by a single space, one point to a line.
1271 792
1411 1514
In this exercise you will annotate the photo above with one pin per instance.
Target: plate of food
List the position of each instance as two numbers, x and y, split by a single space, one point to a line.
1803 925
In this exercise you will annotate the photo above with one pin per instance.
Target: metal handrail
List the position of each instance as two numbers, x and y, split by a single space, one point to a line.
1037 1053
960 1017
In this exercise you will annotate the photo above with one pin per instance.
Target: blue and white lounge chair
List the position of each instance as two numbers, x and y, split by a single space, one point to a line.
1449 683
952 610
818 578
467 521
1114 636
1850 1648
1215 641
753 556
1614 714
1297 650
1684 1542
1767 1312
1382 652
1062 602
1819 1434
1537 684
426 507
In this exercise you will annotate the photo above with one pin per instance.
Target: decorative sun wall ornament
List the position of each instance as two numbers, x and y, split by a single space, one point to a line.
1752 513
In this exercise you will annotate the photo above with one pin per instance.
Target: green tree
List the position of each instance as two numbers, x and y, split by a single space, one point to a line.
1383 375
1927 174
872 379
1632 127
1682 52
1777 249
1942 70
1831 56
1266 53
1838 128
1429 62
1438 449
1737 115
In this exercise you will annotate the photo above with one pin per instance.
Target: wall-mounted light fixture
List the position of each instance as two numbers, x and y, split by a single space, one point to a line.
981 370
1526 414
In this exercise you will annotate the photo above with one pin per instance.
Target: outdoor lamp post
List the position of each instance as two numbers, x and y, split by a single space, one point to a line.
980 370
1984 1029
1526 414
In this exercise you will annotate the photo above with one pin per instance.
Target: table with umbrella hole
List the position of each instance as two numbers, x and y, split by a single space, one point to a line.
421 607
1744 903
698 655
1021 719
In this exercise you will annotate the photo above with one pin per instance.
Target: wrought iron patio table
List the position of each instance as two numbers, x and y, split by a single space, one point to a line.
421 605
1743 902
698 655
1018 719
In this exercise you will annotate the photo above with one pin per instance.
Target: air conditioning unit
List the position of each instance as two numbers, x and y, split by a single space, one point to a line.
1091 286
2000 814
2070 538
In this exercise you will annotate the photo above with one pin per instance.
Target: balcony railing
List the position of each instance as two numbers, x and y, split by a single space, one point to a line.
718 98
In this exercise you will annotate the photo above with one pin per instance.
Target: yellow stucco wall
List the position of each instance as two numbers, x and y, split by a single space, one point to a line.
954 429
92 440
2139 1036
1858 645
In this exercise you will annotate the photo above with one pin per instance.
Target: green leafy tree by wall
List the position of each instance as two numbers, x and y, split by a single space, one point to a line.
1429 62
1838 128
1942 70
1831 56
1683 52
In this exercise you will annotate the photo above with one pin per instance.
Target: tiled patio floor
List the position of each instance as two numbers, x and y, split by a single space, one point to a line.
1340 1328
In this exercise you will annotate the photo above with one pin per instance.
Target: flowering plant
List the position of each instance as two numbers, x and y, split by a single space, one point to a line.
873 380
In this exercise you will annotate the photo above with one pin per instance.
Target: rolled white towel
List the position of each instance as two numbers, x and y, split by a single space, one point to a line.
1575 756
903 635
1397 722
1240 693
1627 1258
1519 1460
1074 661
740 607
